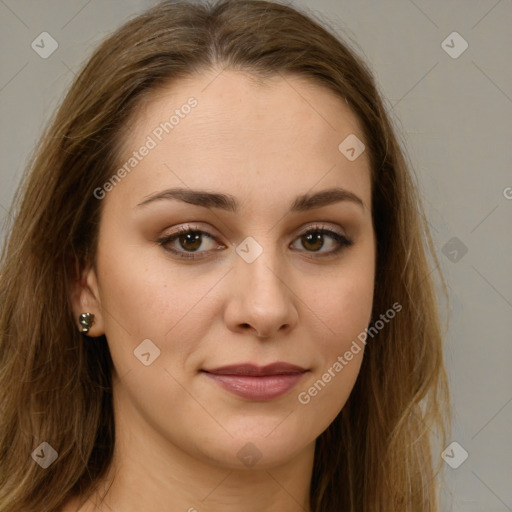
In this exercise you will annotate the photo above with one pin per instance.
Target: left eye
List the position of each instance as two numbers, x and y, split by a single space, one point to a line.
314 239
191 239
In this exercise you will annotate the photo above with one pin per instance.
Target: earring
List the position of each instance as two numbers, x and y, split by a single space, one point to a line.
86 320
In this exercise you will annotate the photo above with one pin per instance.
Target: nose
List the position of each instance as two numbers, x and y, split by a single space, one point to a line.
261 300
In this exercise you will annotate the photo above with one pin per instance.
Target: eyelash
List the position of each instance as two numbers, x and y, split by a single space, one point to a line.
342 241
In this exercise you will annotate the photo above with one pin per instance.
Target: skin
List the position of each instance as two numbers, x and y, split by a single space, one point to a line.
178 432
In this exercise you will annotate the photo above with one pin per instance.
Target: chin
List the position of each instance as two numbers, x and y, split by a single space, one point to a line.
257 449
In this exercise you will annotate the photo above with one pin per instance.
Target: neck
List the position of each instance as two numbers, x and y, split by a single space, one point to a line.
150 472
159 483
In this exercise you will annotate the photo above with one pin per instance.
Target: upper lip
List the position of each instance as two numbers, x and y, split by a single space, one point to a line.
278 368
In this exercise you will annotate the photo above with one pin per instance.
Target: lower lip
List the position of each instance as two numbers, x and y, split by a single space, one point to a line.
265 387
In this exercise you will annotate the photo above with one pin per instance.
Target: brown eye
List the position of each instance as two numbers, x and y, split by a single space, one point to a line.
186 242
313 240
190 241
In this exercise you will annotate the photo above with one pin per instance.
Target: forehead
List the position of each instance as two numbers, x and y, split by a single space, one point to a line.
242 134
236 100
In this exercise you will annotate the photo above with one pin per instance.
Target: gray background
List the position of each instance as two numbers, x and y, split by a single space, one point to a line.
455 115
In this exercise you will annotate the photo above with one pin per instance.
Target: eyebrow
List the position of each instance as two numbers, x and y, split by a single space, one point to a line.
229 203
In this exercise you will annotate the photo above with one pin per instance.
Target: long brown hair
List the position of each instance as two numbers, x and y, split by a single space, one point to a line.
377 454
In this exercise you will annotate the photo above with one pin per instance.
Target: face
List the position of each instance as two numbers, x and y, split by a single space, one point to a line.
198 293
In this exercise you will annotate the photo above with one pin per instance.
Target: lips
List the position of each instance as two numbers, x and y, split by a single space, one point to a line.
257 383
257 371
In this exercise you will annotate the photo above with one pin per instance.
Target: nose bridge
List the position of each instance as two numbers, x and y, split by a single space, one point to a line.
264 300
260 267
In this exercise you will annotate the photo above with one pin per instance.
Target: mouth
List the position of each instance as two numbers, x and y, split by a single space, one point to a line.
257 383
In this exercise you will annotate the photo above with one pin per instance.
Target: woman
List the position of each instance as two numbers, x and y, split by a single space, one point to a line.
215 289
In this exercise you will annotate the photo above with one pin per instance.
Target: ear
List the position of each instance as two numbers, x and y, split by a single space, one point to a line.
85 298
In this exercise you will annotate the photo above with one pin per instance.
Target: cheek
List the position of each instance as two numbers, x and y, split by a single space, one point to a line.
344 307
346 314
343 301
147 293
132 297
145 297
340 353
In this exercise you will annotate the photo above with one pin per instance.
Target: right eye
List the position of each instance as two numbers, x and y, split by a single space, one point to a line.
190 239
